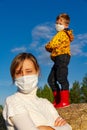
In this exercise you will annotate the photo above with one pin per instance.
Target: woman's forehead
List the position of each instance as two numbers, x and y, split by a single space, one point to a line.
27 64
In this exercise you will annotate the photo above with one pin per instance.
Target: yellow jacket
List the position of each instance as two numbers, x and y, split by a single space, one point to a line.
60 43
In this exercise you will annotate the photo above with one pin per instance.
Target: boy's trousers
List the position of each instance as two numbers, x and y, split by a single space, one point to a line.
59 73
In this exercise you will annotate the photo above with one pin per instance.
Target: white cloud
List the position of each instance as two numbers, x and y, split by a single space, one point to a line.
42 31
42 34
20 49
79 45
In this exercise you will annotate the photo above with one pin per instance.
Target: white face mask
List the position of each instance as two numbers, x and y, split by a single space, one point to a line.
26 84
59 27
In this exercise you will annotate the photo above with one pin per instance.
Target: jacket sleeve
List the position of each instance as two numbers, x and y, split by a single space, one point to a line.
54 43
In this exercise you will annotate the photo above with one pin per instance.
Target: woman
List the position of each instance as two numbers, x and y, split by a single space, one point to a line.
24 110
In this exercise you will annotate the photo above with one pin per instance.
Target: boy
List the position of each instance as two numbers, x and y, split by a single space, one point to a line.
59 47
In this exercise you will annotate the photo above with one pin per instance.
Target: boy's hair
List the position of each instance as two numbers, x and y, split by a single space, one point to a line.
64 16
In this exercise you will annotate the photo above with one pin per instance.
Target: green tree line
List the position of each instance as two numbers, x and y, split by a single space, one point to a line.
78 94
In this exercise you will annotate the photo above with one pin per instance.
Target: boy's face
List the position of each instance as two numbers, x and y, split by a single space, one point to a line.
63 22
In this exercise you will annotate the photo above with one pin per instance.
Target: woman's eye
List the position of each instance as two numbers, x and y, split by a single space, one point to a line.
30 71
17 73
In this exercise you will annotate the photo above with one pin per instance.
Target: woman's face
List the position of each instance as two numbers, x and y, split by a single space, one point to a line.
28 68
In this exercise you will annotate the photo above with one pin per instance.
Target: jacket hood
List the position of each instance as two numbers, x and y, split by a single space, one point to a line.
70 34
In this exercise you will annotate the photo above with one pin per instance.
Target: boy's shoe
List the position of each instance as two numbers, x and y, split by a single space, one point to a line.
64 99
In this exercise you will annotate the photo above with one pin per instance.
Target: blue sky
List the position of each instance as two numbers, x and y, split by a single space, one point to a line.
28 25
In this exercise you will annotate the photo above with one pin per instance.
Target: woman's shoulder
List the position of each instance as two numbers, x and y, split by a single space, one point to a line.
44 100
12 98
14 103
